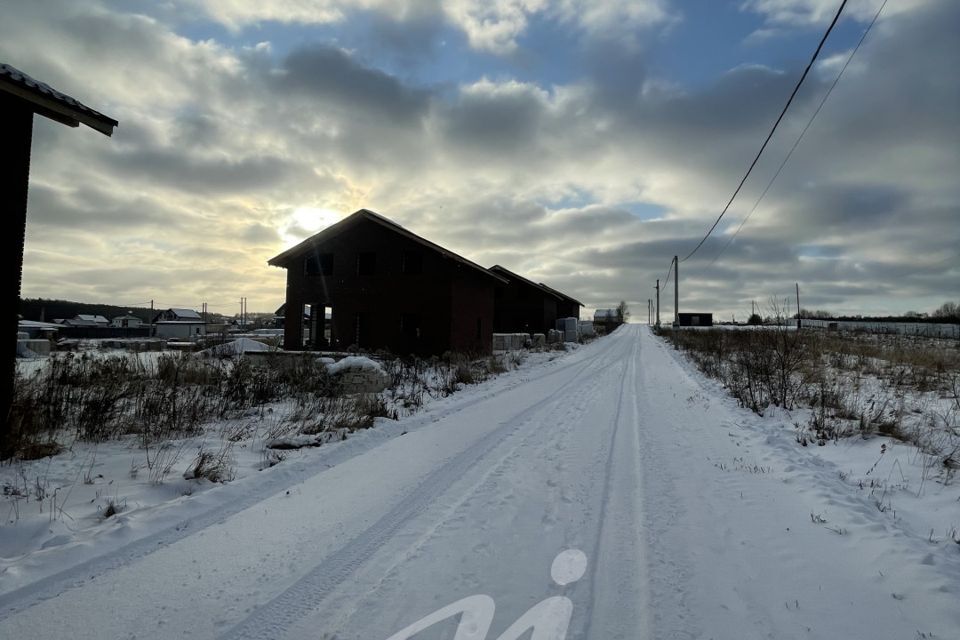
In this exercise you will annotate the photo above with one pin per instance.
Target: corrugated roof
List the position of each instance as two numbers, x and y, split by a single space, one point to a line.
51 103
365 214
516 276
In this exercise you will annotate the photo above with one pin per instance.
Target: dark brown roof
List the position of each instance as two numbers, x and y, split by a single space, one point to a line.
510 275
49 102
561 294
365 214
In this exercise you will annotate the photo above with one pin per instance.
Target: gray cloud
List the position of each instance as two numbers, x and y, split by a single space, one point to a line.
332 76
218 149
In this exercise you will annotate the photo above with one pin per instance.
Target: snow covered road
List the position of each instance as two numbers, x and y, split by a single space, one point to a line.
695 521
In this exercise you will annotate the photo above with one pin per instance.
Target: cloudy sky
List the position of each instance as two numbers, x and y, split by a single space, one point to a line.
580 143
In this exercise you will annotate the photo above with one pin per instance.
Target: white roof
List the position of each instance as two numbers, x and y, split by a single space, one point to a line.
185 313
90 318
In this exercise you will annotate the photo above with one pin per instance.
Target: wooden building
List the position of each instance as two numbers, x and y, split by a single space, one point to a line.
20 98
567 307
523 306
385 287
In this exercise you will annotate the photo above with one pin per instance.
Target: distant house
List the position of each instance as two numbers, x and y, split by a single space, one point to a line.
126 322
179 323
182 329
523 306
606 319
695 319
385 287
87 320
178 315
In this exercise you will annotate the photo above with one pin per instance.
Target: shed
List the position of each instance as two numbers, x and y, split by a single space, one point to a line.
385 287
695 319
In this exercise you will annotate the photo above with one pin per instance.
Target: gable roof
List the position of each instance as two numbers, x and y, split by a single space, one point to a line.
50 103
185 313
283 259
89 317
510 275
562 294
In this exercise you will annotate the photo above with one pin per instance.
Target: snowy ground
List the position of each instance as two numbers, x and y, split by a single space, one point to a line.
697 519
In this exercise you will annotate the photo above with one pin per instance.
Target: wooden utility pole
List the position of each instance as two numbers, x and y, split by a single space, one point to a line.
798 305
676 292
658 302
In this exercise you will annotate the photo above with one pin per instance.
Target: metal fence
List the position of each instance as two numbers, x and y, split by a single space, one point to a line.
927 329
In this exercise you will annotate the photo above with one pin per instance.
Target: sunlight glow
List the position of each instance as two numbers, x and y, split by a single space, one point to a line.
305 221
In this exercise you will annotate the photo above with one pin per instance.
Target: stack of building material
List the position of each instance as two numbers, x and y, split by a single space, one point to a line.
539 339
570 328
586 328
509 341
554 336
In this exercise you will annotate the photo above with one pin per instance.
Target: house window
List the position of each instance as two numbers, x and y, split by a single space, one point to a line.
366 263
318 264
411 263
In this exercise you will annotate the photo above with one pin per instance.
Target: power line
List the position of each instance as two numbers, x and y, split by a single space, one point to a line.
802 133
775 125
666 279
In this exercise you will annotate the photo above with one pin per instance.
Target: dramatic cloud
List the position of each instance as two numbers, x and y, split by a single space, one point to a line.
543 136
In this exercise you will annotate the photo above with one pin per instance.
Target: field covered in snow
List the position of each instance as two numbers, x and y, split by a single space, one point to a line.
690 513
117 443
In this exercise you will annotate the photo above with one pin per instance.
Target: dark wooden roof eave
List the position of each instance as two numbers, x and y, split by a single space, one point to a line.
510 274
284 259
562 294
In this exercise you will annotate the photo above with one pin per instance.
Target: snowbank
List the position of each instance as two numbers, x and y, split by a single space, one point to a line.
355 363
235 348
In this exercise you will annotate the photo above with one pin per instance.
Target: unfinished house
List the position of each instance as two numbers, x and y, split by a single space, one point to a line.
567 307
384 287
523 306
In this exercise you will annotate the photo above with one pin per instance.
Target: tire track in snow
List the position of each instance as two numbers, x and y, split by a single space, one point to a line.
559 407
274 618
618 602
272 482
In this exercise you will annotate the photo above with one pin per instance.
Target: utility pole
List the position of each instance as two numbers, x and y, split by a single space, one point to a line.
658 302
151 318
676 292
798 305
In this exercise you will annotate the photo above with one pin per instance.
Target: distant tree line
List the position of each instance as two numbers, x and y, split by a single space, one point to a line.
49 310
947 312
